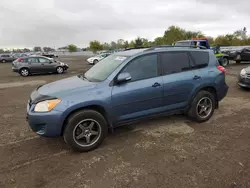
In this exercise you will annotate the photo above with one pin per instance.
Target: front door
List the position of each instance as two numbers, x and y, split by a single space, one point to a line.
47 65
245 55
142 95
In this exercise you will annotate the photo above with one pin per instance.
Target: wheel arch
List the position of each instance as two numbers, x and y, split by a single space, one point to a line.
23 68
209 88
96 107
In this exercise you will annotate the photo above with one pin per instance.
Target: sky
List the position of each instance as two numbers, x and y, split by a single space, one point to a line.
57 23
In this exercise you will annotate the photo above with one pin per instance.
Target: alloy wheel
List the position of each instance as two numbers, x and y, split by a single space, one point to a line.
87 132
204 107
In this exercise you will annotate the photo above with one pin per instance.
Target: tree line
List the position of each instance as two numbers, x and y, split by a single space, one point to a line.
173 34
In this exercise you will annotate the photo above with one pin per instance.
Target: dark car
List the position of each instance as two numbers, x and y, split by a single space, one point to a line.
125 87
49 55
6 58
244 78
239 54
37 64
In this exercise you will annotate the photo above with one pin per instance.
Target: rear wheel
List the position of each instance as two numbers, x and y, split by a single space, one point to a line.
24 72
224 62
3 60
85 130
238 58
202 106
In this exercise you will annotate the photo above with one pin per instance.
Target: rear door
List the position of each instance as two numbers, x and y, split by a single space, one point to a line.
178 79
34 65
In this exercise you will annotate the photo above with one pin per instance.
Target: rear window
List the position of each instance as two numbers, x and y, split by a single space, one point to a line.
200 59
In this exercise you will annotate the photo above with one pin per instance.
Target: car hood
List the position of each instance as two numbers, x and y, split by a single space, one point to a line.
247 69
65 86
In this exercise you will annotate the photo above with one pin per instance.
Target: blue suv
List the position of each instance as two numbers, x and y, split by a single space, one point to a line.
126 86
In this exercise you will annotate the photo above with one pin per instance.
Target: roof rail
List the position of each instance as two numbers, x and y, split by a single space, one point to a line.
136 48
172 46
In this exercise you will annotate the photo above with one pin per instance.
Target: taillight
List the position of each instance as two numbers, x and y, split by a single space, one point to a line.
19 59
221 68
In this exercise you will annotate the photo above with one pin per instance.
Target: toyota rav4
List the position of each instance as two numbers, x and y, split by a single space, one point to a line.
124 87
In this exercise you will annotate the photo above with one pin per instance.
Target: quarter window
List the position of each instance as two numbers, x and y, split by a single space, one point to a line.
174 62
201 58
143 67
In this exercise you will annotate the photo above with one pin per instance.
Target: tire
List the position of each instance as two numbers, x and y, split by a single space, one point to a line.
74 129
59 70
24 72
3 61
238 58
196 105
224 62
95 61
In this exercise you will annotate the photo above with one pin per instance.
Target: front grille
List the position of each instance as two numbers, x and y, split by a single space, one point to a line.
248 75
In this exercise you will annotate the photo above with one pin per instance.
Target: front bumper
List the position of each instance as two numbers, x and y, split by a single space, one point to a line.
66 67
46 124
244 81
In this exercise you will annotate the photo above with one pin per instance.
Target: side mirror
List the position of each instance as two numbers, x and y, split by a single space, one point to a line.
123 77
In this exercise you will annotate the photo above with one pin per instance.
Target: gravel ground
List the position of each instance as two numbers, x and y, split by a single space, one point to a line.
165 152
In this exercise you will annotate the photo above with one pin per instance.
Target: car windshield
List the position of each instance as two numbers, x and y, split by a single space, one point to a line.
104 68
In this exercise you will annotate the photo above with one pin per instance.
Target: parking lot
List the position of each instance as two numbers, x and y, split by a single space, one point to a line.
165 152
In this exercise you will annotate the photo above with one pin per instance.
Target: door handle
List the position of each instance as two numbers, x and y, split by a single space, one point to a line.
156 84
196 77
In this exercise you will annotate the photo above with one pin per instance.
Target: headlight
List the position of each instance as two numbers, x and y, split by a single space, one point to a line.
243 72
46 106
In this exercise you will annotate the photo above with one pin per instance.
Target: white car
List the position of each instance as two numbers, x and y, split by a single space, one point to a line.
96 59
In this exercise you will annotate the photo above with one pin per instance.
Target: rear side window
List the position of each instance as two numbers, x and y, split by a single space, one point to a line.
174 62
200 59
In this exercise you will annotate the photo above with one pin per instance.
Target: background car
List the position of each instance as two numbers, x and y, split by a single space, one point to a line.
239 54
96 59
38 64
244 78
6 58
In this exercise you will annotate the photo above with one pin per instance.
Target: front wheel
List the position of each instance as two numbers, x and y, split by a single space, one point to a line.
202 106
95 61
85 130
3 61
59 70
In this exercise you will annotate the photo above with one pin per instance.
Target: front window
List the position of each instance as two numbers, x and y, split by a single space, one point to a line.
100 71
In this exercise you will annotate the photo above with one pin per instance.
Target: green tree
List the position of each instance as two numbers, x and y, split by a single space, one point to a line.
126 44
138 42
72 48
158 41
95 46
120 44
